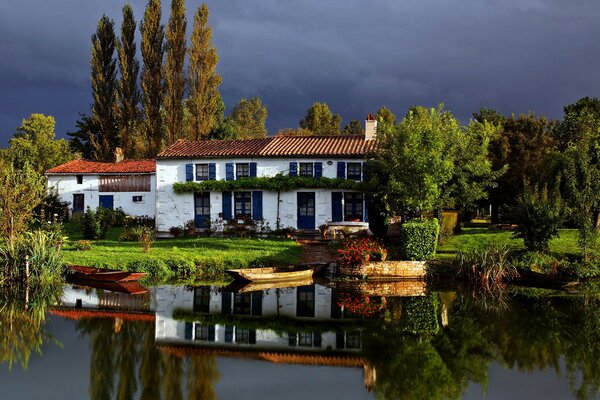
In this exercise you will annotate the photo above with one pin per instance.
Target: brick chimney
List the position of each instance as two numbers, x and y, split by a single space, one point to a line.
119 155
370 127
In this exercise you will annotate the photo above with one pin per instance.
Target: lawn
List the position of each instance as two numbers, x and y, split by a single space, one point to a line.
473 238
204 252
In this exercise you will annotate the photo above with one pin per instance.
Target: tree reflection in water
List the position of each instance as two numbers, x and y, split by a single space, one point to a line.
125 357
22 321
525 332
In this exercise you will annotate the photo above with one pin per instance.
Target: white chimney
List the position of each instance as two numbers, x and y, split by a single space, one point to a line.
370 127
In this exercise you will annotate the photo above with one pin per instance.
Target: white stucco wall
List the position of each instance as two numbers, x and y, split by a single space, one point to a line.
67 186
176 209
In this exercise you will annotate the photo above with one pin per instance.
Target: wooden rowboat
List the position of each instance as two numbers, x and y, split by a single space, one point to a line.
244 286
277 273
127 287
103 274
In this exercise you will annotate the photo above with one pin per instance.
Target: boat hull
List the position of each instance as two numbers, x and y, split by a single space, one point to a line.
275 274
103 274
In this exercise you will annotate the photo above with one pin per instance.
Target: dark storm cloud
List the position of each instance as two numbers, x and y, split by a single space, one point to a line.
515 56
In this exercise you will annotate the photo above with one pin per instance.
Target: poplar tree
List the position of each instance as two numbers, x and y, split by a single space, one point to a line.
203 78
249 117
321 121
129 94
104 91
152 80
174 75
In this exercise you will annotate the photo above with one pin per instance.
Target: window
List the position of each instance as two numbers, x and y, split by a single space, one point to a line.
78 203
353 340
138 199
202 299
242 170
242 304
201 332
354 171
306 169
305 339
353 206
201 172
305 301
79 179
242 336
243 204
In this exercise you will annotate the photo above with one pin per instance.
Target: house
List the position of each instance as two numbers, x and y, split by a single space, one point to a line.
304 207
129 185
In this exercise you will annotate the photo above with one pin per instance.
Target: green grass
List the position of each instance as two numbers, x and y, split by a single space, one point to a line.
201 251
474 238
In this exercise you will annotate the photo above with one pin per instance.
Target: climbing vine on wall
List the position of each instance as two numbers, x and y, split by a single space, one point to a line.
277 183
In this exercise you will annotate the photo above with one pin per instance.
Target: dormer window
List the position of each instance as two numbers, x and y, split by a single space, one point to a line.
79 179
242 170
306 169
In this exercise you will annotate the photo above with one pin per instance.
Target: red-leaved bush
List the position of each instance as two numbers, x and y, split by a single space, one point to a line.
356 252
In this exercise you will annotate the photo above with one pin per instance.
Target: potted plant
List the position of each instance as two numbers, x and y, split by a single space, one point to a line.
175 231
190 228
323 229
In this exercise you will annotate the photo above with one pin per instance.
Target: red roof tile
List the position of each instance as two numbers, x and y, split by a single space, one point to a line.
85 167
277 146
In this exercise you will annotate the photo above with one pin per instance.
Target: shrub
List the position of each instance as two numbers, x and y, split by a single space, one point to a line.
175 231
420 314
83 245
146 236
450 224
356 252
487 267
539 215
418 239
157 270
91 225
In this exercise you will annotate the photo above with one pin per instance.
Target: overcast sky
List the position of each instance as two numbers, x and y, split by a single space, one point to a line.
513 55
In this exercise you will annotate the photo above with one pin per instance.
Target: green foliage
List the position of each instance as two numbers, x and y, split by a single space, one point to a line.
96 223
157 270
420 315
321 121
378 220
450 224
539 215
174 75
92 227
204 99
152 49
354 127
385 116
21 191
418 239
83 245
277 183
104 91
487 267
35 144
249 117
147 236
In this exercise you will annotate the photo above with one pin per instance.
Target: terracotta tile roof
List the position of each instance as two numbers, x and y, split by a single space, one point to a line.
85 167
277 146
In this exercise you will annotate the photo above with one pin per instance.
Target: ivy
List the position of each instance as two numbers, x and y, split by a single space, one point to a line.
277 183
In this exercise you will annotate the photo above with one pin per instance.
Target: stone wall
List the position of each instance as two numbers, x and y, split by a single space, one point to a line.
399 288
389 269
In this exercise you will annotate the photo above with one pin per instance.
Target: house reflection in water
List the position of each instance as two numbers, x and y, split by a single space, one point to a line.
299 319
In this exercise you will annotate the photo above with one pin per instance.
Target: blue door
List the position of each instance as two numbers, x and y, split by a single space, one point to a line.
306 210
202 209
106 201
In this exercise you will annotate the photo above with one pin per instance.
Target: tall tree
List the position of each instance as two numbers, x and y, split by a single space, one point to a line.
35 144
203 78
104 90
129 94
249 117
174 76
321 121
354 127
385 116
152 79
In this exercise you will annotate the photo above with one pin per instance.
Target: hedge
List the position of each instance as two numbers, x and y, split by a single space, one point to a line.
418 239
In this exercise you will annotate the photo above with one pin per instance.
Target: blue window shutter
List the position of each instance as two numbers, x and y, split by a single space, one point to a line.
212 171
229 172
341 170
227 215
252 336
256 299
317 341
189 172
293 168
318 169
252 170
365 172
366 210
228 333
257 204
188 331
336 207
211 333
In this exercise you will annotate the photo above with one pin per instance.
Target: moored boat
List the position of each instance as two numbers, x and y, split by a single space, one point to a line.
275 274
103 274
